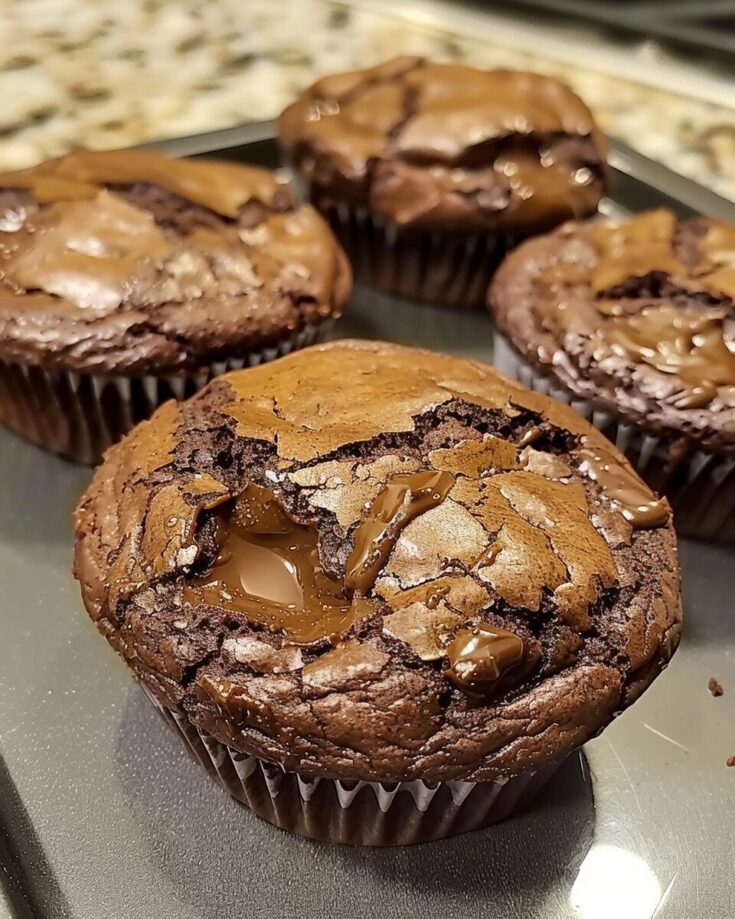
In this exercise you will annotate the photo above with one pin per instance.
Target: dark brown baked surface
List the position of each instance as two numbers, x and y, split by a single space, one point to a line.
636 317
132 262
447 147
490 582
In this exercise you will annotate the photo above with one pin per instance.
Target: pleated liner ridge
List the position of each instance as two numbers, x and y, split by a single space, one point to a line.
350 812
434 267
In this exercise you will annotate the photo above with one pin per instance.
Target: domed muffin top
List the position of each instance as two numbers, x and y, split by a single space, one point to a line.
375 562
636 316
133 262
440 146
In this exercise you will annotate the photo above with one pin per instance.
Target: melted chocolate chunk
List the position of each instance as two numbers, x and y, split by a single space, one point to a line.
480 657
268 570
268 566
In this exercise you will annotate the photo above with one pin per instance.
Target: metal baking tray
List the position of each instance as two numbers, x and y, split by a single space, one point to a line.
102 816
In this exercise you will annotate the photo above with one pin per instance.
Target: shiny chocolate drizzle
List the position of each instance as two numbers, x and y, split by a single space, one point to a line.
401 500
675 340
481 656
640 507
685 341
633 249
651 296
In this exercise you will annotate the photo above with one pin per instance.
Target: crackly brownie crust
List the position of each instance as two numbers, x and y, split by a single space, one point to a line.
130 262
527 540
636 318
447 147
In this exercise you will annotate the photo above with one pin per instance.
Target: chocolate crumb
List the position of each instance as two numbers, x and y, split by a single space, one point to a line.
715 687
730 761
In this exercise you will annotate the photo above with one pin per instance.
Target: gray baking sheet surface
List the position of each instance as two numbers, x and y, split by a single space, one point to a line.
102 815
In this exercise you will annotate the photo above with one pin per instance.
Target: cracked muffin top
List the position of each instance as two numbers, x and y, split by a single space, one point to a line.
133 262
636 317
373 562
446 146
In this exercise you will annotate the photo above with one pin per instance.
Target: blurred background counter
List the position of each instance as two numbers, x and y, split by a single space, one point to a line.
109 74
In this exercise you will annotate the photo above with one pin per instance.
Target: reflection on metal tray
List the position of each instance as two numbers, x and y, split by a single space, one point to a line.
102 817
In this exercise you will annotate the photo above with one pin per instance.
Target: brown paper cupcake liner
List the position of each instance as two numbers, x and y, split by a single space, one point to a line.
435 267
80 415
699 485
351 812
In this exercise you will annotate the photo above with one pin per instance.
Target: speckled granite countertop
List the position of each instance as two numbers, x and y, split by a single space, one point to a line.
104 74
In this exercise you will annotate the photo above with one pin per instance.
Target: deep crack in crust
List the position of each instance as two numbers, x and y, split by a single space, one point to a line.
576 305
131 262
597 601
447 147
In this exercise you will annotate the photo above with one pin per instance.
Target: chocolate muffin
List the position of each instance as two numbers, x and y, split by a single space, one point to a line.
383 611
634 324
129 277
428 173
